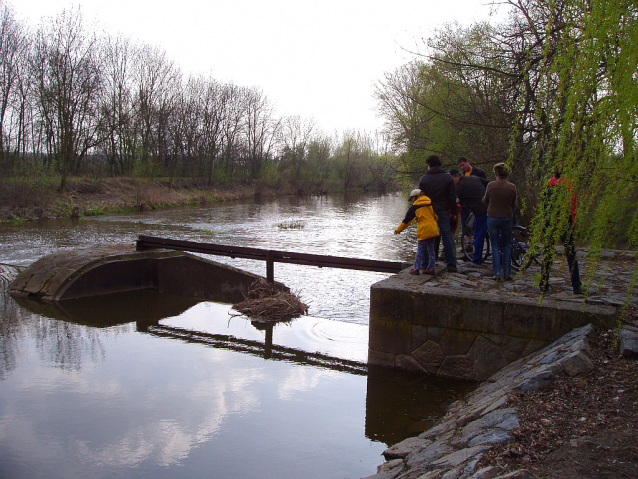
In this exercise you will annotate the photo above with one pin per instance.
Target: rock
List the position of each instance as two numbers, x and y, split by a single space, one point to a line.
628 344
457 367
431 453
485 473
440 430
577 364
429 356
488 358
541 379
494 436
405 447
408 363
520 474
504 419
458 457
389 470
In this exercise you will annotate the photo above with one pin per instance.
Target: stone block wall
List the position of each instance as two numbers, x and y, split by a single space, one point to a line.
466 335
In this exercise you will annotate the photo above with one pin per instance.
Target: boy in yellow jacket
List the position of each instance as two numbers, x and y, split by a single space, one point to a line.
427 230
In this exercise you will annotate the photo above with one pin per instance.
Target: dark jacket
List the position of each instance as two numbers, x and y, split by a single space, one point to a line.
438 185
470 191
476 171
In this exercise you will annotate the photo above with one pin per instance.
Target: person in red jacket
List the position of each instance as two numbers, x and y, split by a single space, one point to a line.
566 233
427 230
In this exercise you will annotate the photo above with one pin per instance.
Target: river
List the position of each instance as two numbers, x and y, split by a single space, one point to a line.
94 396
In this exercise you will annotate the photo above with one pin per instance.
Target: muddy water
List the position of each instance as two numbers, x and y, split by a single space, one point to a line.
147 385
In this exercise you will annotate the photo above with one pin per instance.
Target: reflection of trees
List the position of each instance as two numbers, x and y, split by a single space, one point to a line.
9 323
64 344
67 345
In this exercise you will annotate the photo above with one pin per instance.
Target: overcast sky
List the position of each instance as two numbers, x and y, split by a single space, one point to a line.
316 59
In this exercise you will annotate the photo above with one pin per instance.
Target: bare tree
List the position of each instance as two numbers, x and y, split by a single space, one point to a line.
66 62
157 82
260 130
295 136
14 44
118 107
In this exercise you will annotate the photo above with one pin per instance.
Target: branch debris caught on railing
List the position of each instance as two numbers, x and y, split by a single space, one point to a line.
267 301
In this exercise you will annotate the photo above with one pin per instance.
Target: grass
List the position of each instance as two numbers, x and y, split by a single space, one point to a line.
295 225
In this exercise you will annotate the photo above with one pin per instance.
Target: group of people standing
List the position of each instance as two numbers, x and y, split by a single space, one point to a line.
493 203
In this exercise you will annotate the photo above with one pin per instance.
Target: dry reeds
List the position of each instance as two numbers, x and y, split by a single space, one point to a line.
266 301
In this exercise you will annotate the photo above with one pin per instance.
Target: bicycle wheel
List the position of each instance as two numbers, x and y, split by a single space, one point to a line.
519 247
518 254
467 245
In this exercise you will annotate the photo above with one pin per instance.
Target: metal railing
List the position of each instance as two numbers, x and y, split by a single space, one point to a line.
271 256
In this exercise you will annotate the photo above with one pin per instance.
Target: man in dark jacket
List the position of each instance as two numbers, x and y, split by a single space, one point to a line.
470 191
437 185
469 170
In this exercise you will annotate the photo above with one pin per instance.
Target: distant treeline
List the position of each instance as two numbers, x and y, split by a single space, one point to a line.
78 103
553 88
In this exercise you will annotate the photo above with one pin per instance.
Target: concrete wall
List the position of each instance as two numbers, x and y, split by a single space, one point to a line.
465 335
116 269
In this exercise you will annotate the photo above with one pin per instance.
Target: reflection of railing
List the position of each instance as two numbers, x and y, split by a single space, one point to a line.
257 348
271 256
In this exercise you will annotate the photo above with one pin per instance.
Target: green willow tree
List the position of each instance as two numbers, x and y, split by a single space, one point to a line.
589 108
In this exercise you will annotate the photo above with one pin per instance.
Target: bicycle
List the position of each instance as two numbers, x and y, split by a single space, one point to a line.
522 257
467 240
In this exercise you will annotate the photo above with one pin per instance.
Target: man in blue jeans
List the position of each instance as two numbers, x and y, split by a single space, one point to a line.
437 184
500 198
470 191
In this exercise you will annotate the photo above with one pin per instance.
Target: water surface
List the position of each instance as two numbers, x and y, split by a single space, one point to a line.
149 385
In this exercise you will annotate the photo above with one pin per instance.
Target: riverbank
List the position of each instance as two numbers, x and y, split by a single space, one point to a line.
568 421
25 201
567 411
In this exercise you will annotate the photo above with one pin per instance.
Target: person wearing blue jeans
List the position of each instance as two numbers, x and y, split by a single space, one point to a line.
437 184
501 236
445 228
500 198
470 191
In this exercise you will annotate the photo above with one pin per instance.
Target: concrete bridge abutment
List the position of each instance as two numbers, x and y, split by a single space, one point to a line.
462 334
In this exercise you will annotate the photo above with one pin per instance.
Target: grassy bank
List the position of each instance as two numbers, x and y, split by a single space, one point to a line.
24 201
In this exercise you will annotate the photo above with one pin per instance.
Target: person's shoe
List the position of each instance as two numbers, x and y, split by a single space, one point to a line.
451 268
414 271
475 265
579 290
507 277
428 271
496 277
